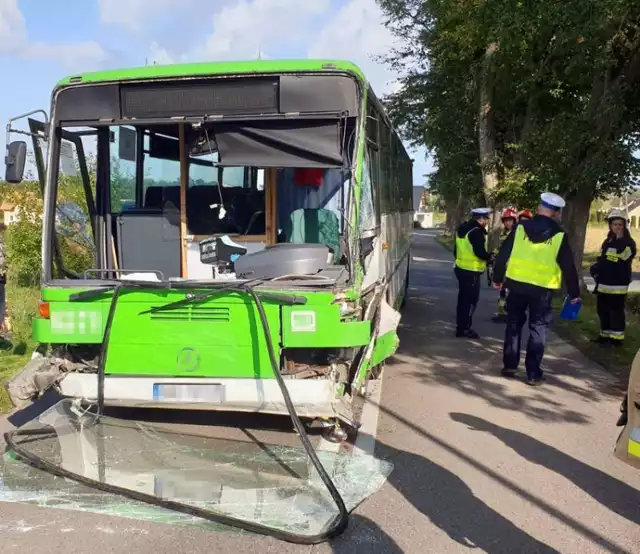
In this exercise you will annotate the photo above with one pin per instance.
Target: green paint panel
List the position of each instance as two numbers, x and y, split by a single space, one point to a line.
212 69
321 328
221 337
385 347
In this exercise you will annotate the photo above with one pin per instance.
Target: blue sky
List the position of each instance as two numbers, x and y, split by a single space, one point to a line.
42 41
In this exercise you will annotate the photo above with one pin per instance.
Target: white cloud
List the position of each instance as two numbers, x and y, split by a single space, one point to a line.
248 27
14 40
357 33
134 14
161 56
74 57
13 31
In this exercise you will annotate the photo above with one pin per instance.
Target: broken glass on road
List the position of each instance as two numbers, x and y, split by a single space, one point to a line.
268 484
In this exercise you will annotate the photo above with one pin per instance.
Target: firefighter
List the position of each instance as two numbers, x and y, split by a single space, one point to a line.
612 274
531 263
471 256
524 215
509 217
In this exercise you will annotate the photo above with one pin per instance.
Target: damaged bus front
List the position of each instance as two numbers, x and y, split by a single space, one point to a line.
234 219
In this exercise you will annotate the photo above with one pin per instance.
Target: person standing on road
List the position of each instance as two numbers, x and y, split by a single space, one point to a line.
531 263
508 223
612 274
471 256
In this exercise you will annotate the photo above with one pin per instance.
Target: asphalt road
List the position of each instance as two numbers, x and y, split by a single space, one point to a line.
480 462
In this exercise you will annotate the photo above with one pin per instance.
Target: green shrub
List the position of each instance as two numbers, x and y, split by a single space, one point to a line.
23 243
23 304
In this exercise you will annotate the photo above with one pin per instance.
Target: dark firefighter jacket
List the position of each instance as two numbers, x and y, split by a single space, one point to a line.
613 266
477 234
539 229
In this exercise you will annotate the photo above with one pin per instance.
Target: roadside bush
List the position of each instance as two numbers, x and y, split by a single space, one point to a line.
23 306
23 242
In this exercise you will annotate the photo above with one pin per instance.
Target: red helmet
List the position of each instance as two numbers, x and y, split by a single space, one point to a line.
509 213
525 213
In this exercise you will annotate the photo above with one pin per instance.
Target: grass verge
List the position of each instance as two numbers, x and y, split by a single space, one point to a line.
615 359
446 241
16 352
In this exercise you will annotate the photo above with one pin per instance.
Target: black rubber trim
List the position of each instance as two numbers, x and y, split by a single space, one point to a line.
336 527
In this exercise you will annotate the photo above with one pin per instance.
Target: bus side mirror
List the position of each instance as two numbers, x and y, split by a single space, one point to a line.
15 161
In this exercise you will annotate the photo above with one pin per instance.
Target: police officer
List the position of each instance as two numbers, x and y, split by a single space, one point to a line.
471 262
612 273
508 223
531 263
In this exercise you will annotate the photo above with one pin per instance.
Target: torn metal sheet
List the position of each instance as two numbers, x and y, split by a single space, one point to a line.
40 374
268 484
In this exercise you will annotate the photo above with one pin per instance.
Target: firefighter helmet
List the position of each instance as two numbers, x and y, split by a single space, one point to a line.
616 214
525 213
509 214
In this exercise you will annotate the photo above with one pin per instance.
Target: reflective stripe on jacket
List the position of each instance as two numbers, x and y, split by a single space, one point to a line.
535 263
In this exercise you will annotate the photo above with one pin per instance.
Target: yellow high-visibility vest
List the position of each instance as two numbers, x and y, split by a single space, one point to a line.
466 258
535 263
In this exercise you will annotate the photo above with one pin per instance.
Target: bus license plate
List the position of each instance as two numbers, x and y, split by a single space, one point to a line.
179 392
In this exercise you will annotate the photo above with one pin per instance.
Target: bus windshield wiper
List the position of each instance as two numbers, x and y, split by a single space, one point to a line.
90 294
290 299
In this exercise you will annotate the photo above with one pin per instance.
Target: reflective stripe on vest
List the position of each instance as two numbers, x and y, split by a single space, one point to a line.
466 258
535 263
613 289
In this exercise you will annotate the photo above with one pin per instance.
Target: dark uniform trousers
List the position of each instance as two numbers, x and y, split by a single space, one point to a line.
538 302
468 296
611 313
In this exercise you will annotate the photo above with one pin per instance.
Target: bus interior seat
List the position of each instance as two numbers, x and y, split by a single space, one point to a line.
315 226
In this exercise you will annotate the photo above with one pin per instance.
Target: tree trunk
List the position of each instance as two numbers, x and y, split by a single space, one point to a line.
450 221
487 142
575 220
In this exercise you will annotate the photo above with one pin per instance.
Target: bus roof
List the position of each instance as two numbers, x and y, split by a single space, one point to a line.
213 68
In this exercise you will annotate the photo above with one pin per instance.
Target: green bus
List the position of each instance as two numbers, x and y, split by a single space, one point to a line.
205 190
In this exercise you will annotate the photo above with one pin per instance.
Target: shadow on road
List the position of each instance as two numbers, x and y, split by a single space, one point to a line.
431 488
450 504
608 491
364 536
428 345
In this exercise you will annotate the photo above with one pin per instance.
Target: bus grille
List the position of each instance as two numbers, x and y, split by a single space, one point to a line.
194 313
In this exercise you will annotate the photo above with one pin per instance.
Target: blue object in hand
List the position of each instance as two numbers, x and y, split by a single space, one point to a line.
570 311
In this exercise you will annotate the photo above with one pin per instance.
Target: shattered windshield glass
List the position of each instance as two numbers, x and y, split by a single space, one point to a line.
273 485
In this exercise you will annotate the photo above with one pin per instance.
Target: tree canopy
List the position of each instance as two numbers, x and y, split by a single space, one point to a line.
513 97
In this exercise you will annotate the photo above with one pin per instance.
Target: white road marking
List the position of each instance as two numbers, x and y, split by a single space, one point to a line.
366 440
432 260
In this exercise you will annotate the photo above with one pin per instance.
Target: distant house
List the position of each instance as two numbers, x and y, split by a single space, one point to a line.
419 199
633 209
10 213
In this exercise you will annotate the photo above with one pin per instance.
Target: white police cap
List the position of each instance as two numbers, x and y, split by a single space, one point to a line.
481 211
552 201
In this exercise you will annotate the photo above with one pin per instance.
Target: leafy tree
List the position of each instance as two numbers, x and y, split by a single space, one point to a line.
514 97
